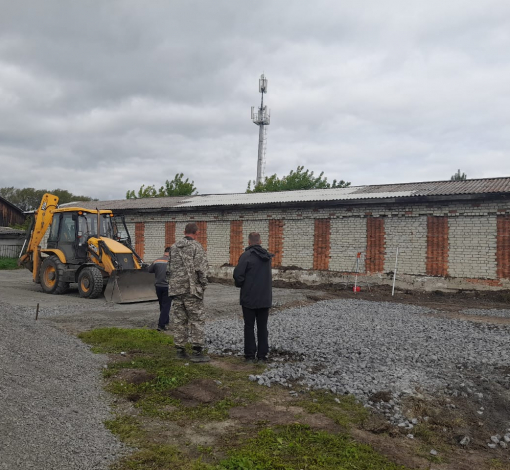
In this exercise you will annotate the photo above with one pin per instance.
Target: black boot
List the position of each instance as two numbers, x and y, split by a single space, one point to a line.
181 353
198 355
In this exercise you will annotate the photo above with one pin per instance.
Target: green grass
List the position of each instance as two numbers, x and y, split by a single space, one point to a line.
298 447
116 340
9 263
127 428
346 411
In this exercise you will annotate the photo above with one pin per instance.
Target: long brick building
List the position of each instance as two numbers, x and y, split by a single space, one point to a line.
449 234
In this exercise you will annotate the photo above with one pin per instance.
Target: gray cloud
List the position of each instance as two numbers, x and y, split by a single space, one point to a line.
371 93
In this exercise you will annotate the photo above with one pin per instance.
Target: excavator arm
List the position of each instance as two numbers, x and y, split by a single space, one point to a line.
30 254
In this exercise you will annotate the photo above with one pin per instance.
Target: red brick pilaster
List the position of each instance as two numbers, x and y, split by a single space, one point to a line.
376 240
437 246
503 246
202 234
275 242
169 233
140 238
236 241
321 244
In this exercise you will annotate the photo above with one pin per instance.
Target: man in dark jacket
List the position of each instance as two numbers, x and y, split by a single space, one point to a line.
253 275
160 269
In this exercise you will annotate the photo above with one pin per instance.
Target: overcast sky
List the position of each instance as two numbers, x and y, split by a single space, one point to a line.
99 97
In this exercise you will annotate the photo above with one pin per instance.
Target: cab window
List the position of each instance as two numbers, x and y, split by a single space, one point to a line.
67 228
55 224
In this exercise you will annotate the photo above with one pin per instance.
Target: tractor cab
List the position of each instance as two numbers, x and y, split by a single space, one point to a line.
72 228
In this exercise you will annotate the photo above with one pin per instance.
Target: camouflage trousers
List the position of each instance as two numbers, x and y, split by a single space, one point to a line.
188 320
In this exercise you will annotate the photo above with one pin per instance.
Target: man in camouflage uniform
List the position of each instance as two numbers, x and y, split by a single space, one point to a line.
188 280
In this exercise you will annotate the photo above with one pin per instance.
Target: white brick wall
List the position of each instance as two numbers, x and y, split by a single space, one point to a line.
472 247
409 234
298 243
154 240
218 243
348 238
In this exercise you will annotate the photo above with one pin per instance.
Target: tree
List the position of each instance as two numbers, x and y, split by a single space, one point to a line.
149 191
28 199
459 176
176 187
295 180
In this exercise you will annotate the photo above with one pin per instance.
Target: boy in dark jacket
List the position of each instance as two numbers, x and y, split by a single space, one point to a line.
253 275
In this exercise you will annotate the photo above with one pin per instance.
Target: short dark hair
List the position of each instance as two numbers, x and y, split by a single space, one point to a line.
254 237
192 227
167 249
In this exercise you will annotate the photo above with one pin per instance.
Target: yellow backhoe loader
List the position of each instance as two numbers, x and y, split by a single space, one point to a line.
89 247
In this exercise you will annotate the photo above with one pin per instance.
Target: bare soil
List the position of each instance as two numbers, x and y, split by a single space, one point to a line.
198 392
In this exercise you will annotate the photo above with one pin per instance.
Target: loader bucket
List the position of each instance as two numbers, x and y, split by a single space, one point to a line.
133 285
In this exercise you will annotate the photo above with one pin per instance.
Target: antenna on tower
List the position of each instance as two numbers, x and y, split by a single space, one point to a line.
261 118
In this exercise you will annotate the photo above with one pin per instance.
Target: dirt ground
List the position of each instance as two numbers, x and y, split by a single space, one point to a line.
72 314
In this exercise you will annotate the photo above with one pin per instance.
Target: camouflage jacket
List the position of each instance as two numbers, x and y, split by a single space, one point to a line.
188 268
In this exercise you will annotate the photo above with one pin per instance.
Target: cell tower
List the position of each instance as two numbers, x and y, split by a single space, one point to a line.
262 119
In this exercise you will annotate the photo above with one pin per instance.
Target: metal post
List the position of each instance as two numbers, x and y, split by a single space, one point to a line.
261 153
394 274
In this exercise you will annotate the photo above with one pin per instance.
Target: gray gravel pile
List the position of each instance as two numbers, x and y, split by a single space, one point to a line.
361 347
53 408
487 312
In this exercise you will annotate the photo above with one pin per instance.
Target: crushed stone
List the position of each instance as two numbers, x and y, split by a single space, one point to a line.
53 407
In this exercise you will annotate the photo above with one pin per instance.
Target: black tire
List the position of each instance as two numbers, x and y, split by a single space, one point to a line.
90 282
52 276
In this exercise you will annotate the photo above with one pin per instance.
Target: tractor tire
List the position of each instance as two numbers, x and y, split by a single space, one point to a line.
52 276
90 283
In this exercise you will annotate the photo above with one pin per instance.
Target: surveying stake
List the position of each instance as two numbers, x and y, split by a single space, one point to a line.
360 258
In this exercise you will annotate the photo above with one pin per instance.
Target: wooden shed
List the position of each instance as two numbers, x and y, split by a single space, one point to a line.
10 214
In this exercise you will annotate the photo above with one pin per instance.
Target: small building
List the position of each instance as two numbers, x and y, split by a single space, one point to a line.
10 214
11 241
450 235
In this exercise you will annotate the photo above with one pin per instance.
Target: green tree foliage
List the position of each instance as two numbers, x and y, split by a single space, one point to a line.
459 176
295 180
28 199
177 187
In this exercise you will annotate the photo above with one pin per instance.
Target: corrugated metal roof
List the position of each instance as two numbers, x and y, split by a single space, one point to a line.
11 231
382 192
341 194
440 188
